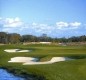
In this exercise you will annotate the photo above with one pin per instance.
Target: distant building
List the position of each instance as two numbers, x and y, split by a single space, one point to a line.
36 43
63 44
45 42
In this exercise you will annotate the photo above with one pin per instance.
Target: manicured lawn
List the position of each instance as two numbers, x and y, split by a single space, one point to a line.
68 70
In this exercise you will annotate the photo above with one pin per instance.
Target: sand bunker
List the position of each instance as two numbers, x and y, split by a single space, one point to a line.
15 50
33 61
53 60
23 59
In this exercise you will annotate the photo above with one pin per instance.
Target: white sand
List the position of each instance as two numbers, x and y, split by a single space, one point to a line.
11 50
32 61
22 59
23 51
15 50
53 60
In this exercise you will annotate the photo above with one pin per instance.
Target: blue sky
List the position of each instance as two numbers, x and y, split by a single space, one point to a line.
56 18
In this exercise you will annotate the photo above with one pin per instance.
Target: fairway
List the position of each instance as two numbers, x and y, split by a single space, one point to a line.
65 70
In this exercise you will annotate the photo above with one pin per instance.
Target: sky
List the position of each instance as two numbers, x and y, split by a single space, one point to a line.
56 18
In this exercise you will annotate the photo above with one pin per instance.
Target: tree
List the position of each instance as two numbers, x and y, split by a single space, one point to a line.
3 37
82 38
17 38
28 38
74 39
44 38
14 38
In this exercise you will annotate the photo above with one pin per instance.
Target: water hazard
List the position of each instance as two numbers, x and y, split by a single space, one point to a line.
4 75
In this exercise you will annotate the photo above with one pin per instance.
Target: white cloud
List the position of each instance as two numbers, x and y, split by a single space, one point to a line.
40 28
13 24
61 25
17 19
0 18
34 24
16 25
43 25
10 22
66 25
76 24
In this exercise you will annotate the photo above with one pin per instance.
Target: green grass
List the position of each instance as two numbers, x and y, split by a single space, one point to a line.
68 70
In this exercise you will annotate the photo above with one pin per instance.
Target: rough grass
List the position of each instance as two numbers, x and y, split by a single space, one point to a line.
68 70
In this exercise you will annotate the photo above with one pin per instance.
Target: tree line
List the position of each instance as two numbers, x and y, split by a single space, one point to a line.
12 38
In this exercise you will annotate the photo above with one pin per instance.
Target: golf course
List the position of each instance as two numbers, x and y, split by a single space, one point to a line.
42 39
74 69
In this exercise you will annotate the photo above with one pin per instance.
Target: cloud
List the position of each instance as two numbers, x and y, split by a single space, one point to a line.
61 25
16 25
17 19
10 22
75 24
0 18
59 28
34 24
40 28
66 25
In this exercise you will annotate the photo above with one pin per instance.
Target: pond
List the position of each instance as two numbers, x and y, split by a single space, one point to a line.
4 75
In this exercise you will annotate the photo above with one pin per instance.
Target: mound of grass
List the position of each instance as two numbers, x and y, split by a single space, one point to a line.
45 58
